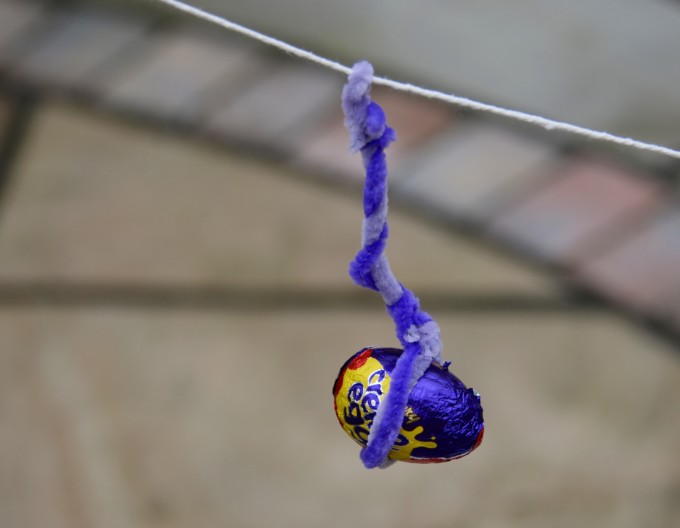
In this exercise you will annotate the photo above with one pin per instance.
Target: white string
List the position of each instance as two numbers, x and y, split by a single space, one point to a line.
548 124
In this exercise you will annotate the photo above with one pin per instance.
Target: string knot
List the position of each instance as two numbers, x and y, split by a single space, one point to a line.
364 119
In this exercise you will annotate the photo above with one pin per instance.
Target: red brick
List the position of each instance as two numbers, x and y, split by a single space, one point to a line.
584 202
414 119
279 107
642 271
174 73
467 170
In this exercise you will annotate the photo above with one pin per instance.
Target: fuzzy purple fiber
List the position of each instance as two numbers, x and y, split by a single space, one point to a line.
415 329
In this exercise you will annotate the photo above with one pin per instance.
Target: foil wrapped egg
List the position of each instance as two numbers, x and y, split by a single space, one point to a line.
443 418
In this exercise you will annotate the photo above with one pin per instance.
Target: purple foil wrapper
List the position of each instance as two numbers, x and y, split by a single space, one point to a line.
443 419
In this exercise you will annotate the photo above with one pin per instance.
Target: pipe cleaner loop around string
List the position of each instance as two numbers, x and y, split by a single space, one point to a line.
415 329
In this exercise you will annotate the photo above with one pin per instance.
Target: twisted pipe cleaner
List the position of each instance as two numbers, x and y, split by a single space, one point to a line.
416 330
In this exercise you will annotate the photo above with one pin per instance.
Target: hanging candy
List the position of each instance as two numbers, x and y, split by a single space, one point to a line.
399 404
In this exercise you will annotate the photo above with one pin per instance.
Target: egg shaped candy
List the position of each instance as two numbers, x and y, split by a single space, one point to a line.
443 418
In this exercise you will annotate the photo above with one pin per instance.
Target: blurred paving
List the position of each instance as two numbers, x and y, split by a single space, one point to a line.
536 196
129 417
141 419
117 410
95 199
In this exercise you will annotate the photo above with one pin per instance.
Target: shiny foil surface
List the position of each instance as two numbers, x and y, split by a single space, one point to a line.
443 419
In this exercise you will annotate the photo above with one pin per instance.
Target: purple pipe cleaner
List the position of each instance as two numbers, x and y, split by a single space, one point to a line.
415 329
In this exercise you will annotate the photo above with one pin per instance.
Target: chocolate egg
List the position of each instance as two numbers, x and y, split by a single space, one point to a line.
443 418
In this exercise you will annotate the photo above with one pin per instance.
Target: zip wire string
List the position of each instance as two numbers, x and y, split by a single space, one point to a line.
548 124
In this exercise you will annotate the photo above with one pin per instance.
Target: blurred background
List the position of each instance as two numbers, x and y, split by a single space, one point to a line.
177 212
